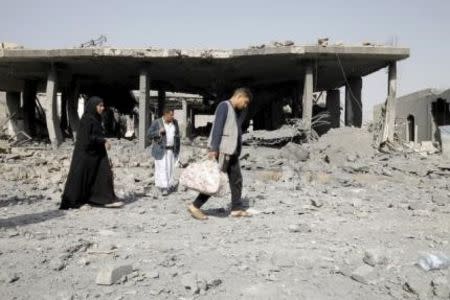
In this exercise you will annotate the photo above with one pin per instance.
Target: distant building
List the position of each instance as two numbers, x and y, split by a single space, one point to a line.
419 115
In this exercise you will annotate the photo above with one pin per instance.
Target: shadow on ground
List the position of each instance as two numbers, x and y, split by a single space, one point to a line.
11 201
29 219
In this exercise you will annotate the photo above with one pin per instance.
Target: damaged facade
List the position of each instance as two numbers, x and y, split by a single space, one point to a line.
420 114
286 81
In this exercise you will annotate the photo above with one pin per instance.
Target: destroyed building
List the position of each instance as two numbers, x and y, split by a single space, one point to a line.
280 75
419 115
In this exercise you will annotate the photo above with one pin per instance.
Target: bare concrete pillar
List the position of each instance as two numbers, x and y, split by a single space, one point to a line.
191 122
144 108
161 102
334 107
29 107
392 94
72 107
353 103
307 99
64 103
13 113
51 113
184 119
389 118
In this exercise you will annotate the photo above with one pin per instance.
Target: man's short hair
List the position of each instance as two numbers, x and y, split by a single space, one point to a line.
243 91
167 110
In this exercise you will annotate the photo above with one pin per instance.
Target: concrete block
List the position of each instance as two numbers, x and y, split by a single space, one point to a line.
108 275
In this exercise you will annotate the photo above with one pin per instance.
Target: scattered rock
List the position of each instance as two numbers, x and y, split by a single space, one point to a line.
153 275
58 264
375 257
303 228
7 277
316 202
189 282
363 274
109 275
213 283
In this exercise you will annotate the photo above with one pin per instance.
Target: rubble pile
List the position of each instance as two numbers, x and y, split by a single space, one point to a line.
332 219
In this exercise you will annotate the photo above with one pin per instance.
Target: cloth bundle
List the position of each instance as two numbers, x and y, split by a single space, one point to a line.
205 177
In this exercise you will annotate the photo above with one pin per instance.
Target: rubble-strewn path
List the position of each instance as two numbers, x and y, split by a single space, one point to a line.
333 220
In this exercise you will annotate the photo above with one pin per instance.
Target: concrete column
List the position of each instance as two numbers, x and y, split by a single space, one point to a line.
144 109
64 103
392 95
72 107
334 107
353 103
161 102
13 113
29 107
191 122
51 110
184 119
307 99
389 119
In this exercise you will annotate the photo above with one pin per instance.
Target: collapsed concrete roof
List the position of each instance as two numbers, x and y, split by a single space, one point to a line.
196 71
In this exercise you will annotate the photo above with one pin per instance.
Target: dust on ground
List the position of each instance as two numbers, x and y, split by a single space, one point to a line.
333 219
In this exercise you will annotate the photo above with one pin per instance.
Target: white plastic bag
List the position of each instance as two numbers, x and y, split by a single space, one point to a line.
204 177
223 186
434 262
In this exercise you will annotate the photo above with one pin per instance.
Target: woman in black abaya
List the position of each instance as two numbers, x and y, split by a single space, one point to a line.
90 179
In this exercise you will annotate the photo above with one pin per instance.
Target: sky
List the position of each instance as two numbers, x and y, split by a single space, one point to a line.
423 26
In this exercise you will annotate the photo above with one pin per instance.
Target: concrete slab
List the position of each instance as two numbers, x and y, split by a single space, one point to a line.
197 70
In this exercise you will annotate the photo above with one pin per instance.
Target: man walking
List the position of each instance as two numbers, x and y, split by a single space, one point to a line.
225 144
165 134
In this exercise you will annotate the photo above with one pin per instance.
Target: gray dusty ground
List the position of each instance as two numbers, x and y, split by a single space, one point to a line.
333 220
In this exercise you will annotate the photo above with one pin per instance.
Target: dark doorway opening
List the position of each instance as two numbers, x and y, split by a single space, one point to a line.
441 115
411 128
440 111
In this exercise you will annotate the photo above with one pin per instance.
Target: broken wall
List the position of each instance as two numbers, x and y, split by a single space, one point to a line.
418 106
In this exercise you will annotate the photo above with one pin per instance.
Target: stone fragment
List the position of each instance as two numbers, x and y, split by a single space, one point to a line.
189 282
7 277
316 202
374 257
303 228
109 275
363 274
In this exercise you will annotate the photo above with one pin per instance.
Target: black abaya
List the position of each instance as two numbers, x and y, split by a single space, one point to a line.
90 178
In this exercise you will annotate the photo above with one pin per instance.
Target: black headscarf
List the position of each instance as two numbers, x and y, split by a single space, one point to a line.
90 110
